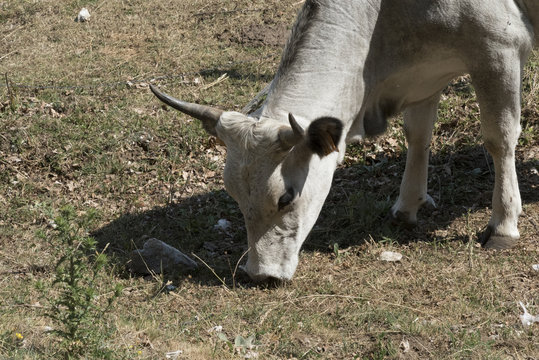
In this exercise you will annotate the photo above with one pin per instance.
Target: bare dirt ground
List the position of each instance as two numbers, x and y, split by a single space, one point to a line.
79 126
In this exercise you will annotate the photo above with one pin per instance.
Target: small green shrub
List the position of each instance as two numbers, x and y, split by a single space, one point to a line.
76 309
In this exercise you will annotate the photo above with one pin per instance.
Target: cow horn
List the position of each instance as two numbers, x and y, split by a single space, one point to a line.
298 130
290 137
208 115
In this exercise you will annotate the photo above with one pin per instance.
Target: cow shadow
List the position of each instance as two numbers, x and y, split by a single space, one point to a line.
460 182
355 212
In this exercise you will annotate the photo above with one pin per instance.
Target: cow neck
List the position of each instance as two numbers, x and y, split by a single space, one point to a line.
321 70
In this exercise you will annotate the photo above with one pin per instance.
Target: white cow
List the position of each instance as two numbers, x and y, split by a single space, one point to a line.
347 67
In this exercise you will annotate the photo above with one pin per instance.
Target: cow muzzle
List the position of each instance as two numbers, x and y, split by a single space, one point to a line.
261 271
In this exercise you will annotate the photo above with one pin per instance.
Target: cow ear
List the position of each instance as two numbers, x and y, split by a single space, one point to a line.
323 135
291 136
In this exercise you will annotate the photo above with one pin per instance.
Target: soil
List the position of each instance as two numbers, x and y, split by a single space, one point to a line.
256 35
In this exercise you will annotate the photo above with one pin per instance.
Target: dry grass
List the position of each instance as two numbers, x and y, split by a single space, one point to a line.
86 137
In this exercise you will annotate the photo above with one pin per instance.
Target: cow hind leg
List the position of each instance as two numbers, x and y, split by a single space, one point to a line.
498 93
418 124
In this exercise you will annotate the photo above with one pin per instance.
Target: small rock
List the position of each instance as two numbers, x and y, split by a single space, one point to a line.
250 354
390 256
52 224
222 225
535 267
405 346
158 257
527 319
144 140
476 171
84 15
173 354
217 329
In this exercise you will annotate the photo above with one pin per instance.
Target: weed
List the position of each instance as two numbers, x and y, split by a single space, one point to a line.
243 346
528 134
75 310
336 251
11 94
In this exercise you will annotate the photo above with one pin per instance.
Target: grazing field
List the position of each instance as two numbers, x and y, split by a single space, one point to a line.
80 130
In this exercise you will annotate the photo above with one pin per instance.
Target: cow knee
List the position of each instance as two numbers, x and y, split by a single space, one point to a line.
501 143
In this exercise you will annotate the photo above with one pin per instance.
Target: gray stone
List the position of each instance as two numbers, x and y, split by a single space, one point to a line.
158 257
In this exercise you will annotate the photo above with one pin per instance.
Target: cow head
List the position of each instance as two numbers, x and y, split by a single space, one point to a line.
280 176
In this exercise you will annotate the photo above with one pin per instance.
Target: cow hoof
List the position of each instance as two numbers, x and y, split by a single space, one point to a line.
500 243
496 242
402 219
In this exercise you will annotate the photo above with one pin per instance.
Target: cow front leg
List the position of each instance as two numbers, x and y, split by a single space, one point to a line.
498 93
418 123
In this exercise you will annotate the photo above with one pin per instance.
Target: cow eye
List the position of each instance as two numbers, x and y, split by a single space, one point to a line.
287 198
